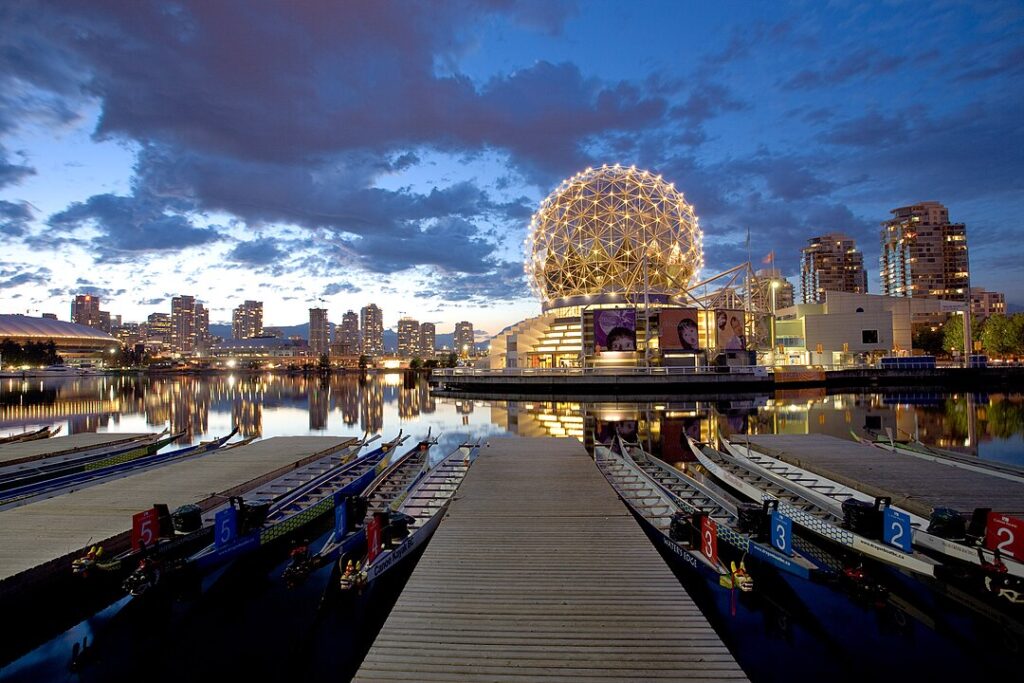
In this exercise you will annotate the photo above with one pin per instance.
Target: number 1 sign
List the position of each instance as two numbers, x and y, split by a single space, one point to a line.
1005 534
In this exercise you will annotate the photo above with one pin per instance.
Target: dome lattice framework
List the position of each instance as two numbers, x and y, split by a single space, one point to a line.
601 229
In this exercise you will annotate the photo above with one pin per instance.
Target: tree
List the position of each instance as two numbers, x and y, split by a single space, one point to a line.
364 361
997 336
415 364
324 365
928 340
953 333
451 360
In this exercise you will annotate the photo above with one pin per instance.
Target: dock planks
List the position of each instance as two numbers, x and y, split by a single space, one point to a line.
540 573
60 445
914 484
38 533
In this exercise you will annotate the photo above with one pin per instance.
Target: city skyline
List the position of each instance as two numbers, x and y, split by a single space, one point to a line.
260 180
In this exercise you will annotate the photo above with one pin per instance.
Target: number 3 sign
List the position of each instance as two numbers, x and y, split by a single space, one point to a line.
1005 534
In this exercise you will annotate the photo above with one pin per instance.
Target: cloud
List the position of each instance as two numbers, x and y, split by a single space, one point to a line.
12 173
503 281
15 275
258 252
14 218
341 288
130 224
870 130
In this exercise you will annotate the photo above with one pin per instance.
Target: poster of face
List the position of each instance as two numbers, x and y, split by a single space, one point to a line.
607 431
729 330
615 329
679 331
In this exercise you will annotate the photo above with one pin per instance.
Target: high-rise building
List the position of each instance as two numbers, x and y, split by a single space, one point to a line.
408 337
346 335
924 256
985 303
247 320
85 310
781 293
183 324
158 329
831 263
49 316
464 341
371 324
202 318
319 332
428 340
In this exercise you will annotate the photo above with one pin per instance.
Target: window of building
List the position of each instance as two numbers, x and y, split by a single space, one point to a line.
869 336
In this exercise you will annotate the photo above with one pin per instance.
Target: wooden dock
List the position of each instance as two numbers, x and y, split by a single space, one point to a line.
914 484
540 573
61 445
37 534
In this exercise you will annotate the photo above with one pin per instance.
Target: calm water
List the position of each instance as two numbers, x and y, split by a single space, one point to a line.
783 631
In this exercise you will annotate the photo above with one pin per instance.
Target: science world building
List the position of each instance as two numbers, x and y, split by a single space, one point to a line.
615 255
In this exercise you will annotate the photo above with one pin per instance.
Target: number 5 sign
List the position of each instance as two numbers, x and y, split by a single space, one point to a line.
1005 534
145 528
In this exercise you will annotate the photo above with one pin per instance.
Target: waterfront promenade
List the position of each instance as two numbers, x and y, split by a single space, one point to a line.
540 573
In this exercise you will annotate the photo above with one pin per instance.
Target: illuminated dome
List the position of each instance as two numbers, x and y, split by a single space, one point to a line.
589 237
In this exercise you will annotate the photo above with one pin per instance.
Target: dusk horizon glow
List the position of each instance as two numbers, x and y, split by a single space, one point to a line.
332 155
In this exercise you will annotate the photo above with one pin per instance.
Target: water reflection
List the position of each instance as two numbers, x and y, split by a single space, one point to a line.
985 425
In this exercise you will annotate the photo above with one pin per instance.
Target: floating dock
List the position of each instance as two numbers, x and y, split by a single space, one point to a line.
540 573
34 535
914 484
60 445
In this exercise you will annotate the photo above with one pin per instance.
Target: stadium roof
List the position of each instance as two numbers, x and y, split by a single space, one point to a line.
22 328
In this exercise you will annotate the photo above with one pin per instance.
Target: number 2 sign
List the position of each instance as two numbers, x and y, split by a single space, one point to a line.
145 528
896 529
1005 534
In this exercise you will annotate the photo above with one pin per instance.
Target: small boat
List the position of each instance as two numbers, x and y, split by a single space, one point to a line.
803 511
832 495
49 488
916 449
41 433
22 475
740 524
409 522
680 533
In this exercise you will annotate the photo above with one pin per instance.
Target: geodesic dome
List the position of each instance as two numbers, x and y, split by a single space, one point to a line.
607 230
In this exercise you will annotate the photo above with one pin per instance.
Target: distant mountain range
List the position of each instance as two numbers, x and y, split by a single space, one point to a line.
390 336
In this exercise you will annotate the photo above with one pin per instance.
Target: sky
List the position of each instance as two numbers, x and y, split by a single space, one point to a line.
332 154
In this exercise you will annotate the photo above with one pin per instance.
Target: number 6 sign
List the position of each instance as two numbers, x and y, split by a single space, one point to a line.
1005 534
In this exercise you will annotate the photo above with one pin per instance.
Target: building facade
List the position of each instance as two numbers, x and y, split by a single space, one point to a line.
924 256
183 324
408 337
428 340
319 332
346 336
985 303
202 318
85 310
464 341
371 324
781 294
831 263
247 320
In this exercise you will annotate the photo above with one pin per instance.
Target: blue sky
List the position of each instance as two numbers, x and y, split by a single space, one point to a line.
325 153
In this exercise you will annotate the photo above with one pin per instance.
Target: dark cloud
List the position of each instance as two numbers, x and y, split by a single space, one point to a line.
131 224
863 62
450 244
14 218
258 252
12 173
341 288
15 275
871 130
503 281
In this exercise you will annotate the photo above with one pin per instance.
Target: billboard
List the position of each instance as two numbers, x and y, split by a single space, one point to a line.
674 448
729 330
606 432
679 330
615 329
